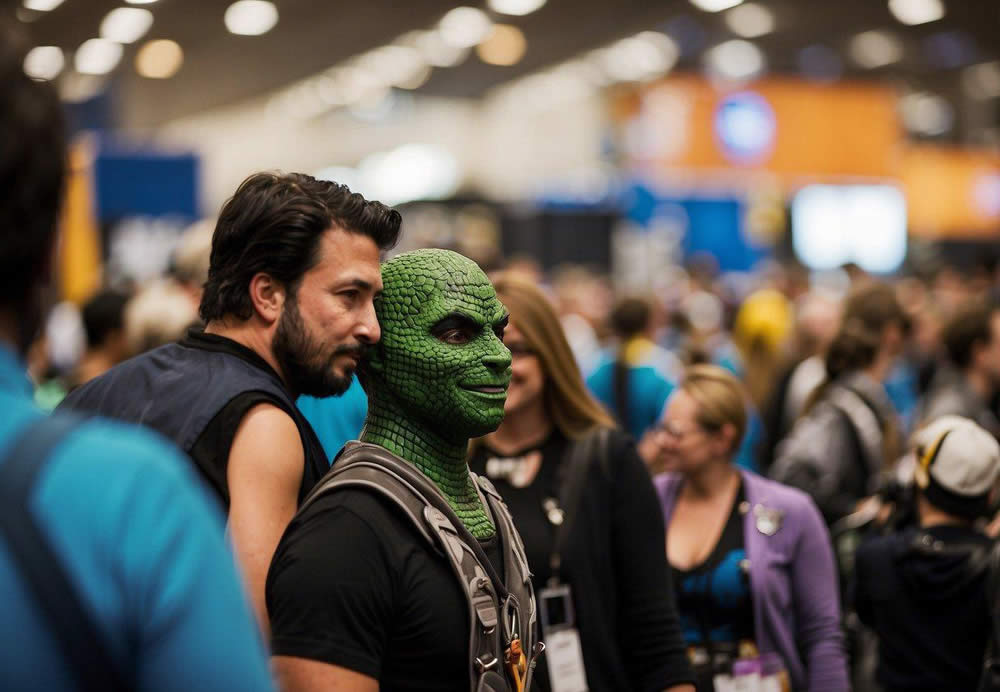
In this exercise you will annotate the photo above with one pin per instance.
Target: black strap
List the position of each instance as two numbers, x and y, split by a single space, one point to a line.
620 388
576 465
81 642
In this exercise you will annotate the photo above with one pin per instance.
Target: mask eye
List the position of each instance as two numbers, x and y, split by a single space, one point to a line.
455 337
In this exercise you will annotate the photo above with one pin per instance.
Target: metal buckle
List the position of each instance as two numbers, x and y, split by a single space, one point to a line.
483 667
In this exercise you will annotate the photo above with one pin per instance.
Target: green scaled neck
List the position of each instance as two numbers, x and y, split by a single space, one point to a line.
442 461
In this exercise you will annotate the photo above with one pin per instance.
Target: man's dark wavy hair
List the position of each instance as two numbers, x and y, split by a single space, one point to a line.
273 224
32 170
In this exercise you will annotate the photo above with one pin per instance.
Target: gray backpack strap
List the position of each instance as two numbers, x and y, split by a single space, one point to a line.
517 573
372 467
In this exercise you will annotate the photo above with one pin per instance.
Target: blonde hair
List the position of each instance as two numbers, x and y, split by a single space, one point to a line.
567 402
721 399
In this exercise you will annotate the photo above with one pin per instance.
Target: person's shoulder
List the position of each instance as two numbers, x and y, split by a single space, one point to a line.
363 509
792 501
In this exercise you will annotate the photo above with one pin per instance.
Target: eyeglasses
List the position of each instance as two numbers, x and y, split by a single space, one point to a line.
677 432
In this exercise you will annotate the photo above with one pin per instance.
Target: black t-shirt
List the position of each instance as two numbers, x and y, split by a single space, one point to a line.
353 584
526 502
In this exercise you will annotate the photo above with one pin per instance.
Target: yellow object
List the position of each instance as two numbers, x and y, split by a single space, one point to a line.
79 260
764 318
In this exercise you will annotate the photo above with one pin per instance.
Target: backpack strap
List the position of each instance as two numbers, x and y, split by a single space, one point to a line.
377 470
81 641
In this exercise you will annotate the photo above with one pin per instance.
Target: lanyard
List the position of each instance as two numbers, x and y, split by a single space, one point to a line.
556 517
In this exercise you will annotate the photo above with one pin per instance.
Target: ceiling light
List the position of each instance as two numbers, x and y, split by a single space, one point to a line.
42 5
435 49
44 62
982 81
504 46
97 56
394 65
715 5
416 79
750 20
640 57
251 17
140 2
735 61
926 114
465 26
126 24
517 8
159 59
872 49
911 12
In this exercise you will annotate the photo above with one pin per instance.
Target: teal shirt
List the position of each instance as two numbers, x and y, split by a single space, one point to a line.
336 419
145 549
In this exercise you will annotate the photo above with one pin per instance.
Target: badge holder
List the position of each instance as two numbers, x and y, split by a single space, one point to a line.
563 653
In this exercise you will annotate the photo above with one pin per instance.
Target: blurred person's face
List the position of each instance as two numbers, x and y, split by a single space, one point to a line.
685 446
527 381
328 321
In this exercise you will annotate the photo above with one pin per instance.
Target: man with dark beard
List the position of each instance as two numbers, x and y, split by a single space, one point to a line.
288 310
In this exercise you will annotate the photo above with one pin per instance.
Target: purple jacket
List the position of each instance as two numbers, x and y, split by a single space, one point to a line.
793 582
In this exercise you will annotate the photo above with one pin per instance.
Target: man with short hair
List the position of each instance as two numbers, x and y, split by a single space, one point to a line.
967 382
922 590
288 310
366 591
113 566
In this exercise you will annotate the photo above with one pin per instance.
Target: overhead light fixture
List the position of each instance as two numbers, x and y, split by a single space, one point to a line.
435 50
926 114
517 8
42 5
912 12
97 56
735 61
44 62
982 81
126 24
873 49
465 26
251 17
750 20
160 59
394 65
644 56
715 5
504 46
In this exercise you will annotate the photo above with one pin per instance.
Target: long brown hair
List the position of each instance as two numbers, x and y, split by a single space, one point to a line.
567 402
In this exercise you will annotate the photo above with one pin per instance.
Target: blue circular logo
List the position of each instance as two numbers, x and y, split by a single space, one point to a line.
745 127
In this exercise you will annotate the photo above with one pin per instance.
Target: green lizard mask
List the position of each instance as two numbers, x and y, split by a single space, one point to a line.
439 375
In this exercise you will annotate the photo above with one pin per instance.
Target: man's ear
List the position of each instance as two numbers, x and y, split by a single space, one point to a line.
267 295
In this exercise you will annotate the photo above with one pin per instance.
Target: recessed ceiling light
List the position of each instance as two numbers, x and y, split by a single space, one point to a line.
126 24
872 49
251 17
912 12
465 26
435 49
715 5
97 56
505 46
735 61
750 20
44 62
160 59
515 7
42 5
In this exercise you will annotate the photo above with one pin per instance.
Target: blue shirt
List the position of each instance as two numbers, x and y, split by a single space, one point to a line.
145 550
336 419
650 383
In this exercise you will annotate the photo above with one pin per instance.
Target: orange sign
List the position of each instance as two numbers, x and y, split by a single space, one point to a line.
952 192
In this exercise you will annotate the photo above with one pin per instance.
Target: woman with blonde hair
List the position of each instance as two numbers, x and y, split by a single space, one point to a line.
587 512
750 558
